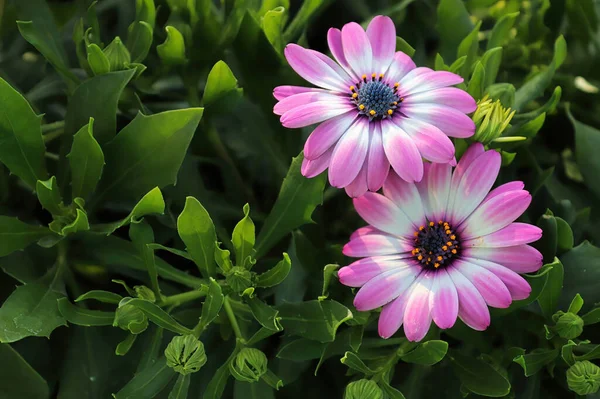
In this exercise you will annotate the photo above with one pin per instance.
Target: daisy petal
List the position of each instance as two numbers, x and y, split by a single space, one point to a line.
312 168
357 49
335 66
384 288
327 134
400 66
300 99
358 186
363 231
375 245
491 288
519 287
349 154
431 142
383 214
519 259
392 315
504 188
402 152
405 196
382 35
449 96
334 39
452 122
358 273
312 113
378 165
443 301
417 316
511 235
472 308
314 69
412 84
281 92
435 186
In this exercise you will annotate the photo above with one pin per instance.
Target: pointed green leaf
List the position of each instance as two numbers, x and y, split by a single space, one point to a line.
139 40
151 203
536 360
101 296
20 380
353 362
476 83
479 377
223 258
469 47
79 224
316 320
391 392
428 353
220 83
264 314
217 384
147 383
576 304
501 31
156 315
16 235
592 317
141 234
402 45
124 346
172 51
276 274
197 231
243 239
453 25
272 23
550 295
586 140
212 305
181 387
49 196
86 160
328 272
491 62
84 317
145 10
97 60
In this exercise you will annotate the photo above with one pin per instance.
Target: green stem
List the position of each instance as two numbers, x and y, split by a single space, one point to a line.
179 299
231 316
48 127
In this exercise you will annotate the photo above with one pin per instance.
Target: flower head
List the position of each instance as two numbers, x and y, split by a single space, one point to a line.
443 248
491 119
378 109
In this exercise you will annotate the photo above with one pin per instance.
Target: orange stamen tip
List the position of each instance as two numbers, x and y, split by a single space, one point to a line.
421 228
436 265
354 95
449 232
401 99
389 111
431 224
396 84
453 237
449 243
454 251
364 76
420 257
352 88
416 233
361 107
444 248
372 112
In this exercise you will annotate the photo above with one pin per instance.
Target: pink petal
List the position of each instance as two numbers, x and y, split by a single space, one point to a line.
382 213
357 49
520 258
376 245
417 316
402 152
384 288
309 114
472 309
358 186
474 186
449 96
314 69
495 214
412 84
443 301
312 168
400 66
300 99
511 235
472 153
431 142
491 288
281 92
382 35
406 197
449 120
358 273
435 186
392 315
327 134
334 39
378 165
504 188
349 154
363 231
519 287
336 67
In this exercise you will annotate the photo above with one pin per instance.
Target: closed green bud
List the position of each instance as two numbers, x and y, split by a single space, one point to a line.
583 378
363 389
569 326
130 318
185 354
144 292
249 365
117 54
239 279
491 119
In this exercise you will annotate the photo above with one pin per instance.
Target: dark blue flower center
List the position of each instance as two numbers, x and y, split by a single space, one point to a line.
374 98
435 245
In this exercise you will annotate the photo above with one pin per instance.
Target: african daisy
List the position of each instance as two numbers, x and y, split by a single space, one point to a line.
443 248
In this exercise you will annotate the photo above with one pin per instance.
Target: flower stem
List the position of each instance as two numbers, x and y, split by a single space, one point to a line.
231 316
179 299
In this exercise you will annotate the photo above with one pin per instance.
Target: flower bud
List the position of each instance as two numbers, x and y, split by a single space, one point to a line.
144 292
491 119
249 365
130 318
239 279
569 326
117 54
185 354
363 389
583 378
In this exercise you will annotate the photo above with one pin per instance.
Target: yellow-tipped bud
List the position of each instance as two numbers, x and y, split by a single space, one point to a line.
491 120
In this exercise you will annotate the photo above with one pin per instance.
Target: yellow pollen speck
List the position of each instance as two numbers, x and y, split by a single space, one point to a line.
395 103
440 222
453 237
373 75
448 232
444 248
381 76
421 228
416 233
390 112
352 88
436 265
431 224
449 243
354 95
396 84
428 259
362 107
439 258
454 251
401 99
420 257
364 77
372 112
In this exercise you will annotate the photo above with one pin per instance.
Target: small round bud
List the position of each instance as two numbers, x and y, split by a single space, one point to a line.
239 279
117 54
363 389
144 292
130 318
185 354
584 378
249 365
569 326
491 119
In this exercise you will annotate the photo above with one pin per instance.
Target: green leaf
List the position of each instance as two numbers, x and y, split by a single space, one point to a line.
153 161
353 362
298 198
505 92
156 315
316 320
586 138
216 386
19 379
578 279
592 317
252 390
174 251
491 61
328 272
549 106
535 87
476 83
243 239
84 317
97 98
307 11
550 295
276 274
124 346
537 283
501 31
152 203
79 224
86 160
212 305
576 304
97 60
197 231
101 296
548 243
220 83
479 377
402 45
391 392
536 360
469 47
565 239
453 25
16 235
302 349
145 10
566 352
149 382
264 314
21 145
139 40
48 194
141 234
181 387
590 352
172 51
428 353
272 24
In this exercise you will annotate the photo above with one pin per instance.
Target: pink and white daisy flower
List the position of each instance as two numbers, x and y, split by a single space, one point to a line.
378 109
443 248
